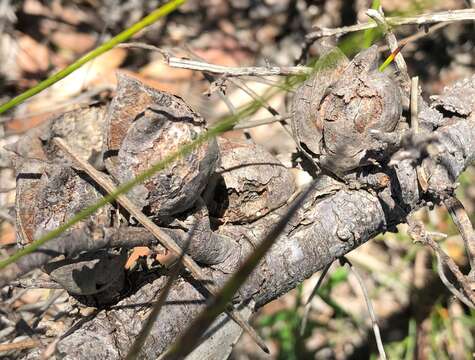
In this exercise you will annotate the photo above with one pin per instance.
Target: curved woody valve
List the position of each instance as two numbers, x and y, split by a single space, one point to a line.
335 109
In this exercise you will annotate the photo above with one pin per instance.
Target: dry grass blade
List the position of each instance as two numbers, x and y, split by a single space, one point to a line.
255 123
19 345
308 304
191 337
374 320
164 238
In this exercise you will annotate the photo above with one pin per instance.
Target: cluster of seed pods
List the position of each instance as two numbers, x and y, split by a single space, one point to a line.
140 127
239 181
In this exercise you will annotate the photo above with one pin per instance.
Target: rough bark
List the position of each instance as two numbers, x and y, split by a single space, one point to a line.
325 228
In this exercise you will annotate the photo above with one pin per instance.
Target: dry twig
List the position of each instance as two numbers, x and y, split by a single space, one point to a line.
378 17
228 71
308 304
464 291
464 225
414 104
19 345
420 172
374 320
420 34
423 19
238 71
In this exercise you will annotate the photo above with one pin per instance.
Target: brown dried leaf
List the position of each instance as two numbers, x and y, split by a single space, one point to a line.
32 56
7 234
76 42
137 252
166 78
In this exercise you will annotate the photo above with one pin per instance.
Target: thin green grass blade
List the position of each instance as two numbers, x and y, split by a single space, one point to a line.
123 36
410 340
390 59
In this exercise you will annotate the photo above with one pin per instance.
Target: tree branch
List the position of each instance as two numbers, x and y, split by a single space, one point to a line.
328 226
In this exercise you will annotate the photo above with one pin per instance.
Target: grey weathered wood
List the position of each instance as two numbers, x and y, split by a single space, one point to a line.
324 229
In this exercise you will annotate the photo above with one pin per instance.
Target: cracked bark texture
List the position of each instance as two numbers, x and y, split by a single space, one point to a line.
328 226
249 183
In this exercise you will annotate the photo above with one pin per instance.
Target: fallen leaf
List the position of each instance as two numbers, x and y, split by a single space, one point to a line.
7 234
76 42
134 256
70 14
31 296
32 57
19 125
166 78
